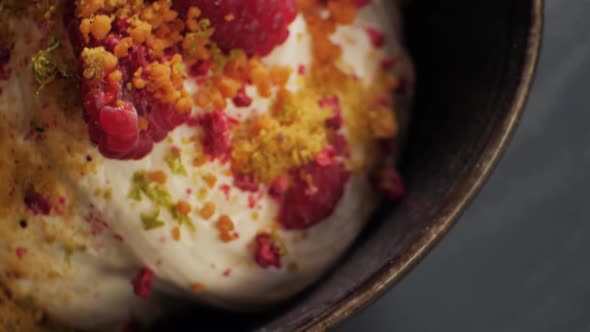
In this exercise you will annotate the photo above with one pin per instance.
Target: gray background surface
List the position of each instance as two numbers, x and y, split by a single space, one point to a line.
518 258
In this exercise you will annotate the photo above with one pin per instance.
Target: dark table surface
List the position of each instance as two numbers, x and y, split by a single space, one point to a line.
518 258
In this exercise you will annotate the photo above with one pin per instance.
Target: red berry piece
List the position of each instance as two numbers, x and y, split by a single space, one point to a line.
391 184
242 99
377 37
255 26
245 182
142 283
333 103
216 140
267 253
37 204
120 121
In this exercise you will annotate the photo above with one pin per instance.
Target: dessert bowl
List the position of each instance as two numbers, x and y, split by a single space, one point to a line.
475 63
102 202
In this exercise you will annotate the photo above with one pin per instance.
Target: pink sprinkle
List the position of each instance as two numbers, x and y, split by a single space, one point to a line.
96 222
227 272
242 99
301 70
267 254
21 252
201 68
251 201
37 204
393 184
226 189
377 37
142 283
245 182
389 63
336 121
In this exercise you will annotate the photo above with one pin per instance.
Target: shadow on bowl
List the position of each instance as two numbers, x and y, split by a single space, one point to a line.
475 62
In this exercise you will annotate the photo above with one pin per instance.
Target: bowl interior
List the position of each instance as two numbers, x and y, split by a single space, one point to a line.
474 62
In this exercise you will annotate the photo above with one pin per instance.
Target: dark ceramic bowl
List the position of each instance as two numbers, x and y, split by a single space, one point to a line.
475 62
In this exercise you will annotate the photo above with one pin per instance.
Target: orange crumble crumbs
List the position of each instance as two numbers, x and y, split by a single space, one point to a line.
198 288
158 177
210 180
226 228
154 25
183 208
292 135
207 211
98 62
202 194
175 233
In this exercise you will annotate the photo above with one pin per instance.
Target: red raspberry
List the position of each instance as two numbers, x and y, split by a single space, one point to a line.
119 121
112 111
302 205
255 26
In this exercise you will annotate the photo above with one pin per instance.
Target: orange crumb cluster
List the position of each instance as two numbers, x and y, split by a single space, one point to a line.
153 25
226 228
372 115
290 136
207 211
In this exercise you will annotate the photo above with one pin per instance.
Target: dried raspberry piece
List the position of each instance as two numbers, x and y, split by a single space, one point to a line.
242 99
201 68
333 103
255 26
391 183
142 283
37 204
267 253
216 140
377 37
4 60
21 252
245 182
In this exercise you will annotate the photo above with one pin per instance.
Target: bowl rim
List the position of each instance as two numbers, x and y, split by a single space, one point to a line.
457 201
